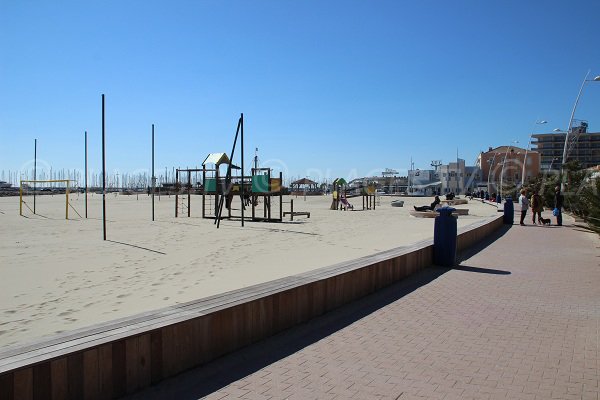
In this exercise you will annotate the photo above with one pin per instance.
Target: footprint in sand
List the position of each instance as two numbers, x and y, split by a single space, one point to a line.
123 295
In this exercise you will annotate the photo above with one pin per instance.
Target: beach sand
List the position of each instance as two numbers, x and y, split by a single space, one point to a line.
59 275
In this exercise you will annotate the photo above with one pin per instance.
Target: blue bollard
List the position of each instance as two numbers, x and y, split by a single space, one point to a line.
498 199
444 238
509 211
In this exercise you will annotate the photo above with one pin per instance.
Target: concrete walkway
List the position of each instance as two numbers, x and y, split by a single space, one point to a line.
519 319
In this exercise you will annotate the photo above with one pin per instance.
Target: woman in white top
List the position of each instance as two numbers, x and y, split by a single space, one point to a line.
524 203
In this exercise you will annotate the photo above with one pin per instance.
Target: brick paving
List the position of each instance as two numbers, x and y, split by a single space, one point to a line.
518 319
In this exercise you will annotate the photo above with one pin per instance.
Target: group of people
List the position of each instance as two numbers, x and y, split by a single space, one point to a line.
537 206
483 195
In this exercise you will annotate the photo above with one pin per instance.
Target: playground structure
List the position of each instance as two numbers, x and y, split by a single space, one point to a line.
258 188
259 191
340 187
368 194
341 194
183 192
24 184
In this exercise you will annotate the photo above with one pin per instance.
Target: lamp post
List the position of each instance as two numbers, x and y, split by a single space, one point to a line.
527 150
564 157
491 162
557 130
504 165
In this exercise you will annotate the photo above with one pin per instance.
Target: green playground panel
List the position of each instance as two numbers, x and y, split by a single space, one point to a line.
210 185
260 183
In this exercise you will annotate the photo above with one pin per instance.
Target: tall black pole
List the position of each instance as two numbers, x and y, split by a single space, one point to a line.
34 171
153 179
103 174
242 184
86 176
227 177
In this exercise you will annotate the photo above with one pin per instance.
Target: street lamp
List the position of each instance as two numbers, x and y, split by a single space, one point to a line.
503 165
551 163
527 150
557 130
491 162
564 157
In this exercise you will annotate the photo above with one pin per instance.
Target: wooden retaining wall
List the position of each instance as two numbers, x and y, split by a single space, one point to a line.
113 359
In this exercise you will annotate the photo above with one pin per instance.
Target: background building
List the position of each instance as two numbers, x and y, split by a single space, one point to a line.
583 147
423 182
453 177
505 164
387 184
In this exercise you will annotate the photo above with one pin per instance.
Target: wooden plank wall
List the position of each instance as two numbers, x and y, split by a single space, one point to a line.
120 367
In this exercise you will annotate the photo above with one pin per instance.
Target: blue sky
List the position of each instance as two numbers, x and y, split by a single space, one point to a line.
328 88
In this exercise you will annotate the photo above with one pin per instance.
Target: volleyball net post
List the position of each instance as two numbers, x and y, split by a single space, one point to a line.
25 184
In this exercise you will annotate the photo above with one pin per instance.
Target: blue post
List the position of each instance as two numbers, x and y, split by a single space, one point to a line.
444 238
499 199
509 211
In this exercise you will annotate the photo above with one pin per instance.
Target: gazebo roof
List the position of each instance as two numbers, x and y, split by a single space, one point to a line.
304 181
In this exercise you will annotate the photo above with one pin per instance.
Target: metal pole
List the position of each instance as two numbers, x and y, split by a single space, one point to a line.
86 177
153 177
34 171
491 163
503 165
227 177
564 156
103 173
67 202
242 184
527 150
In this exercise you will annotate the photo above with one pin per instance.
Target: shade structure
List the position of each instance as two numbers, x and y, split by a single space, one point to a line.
303 185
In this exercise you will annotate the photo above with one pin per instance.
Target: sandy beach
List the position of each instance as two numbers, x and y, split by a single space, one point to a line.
59 275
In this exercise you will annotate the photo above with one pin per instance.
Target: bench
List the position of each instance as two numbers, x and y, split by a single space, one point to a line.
293 213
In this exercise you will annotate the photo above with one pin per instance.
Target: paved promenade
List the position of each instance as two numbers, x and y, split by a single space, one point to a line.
519 319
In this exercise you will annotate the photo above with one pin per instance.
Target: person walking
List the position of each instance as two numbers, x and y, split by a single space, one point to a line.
558 205
524 203
536 207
